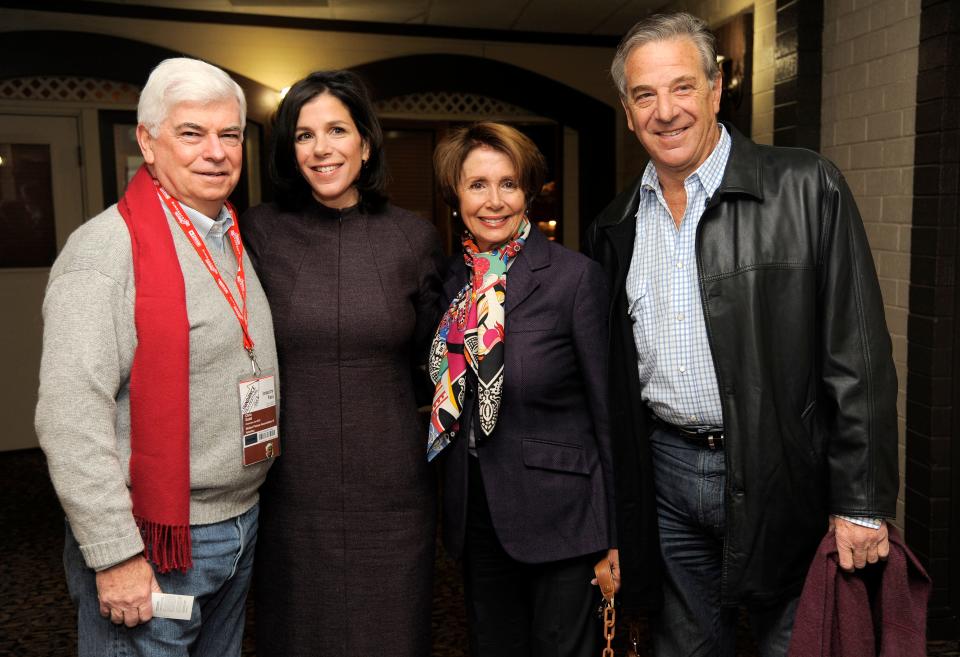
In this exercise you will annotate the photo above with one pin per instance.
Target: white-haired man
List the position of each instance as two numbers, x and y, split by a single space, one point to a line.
157 405
753 382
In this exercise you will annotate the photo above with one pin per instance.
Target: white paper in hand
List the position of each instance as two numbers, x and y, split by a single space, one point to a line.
169 605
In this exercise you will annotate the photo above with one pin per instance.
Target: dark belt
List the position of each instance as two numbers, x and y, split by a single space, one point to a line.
704 439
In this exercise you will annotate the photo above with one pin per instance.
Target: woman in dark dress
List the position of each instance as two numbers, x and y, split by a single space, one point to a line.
345 553
519 422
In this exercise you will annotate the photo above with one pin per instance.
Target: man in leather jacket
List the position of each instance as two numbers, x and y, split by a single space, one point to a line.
753 388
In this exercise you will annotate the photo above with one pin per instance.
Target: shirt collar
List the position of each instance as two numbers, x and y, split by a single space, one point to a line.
205 224
710 173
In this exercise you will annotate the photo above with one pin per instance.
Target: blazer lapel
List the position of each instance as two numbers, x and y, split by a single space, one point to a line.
521 282
523 275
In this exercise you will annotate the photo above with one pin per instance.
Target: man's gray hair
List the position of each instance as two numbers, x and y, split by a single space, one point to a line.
662 27
185 80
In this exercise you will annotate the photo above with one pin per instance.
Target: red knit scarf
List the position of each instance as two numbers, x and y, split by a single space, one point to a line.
159 382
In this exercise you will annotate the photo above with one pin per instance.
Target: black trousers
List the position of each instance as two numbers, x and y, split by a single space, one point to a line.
517 609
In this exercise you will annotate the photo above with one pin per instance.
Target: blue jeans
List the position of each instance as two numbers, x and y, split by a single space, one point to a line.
690 482
219 580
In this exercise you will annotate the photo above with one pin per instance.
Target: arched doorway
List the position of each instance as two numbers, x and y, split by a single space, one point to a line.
593 120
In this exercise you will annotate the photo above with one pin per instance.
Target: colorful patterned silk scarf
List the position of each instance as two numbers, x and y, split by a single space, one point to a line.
471 334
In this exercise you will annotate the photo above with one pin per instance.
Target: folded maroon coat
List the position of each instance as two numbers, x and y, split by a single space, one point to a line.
877 610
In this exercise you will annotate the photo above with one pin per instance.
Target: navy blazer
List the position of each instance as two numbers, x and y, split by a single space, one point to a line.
547 468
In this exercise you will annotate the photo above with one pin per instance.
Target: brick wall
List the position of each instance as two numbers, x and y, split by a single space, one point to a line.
932 523
764 69
799 73
868 115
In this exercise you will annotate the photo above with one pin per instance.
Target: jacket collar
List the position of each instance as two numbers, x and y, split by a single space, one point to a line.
743 175
523 276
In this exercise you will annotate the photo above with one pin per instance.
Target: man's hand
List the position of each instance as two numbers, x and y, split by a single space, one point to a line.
612 558
125 591
857 546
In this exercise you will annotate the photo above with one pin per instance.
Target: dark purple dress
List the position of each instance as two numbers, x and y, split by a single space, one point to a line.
347 518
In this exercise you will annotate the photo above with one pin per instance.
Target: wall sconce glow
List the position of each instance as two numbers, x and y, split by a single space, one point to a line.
552 223
1 160
283 92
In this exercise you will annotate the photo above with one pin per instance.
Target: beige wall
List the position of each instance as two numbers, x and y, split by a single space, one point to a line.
278 57
868 123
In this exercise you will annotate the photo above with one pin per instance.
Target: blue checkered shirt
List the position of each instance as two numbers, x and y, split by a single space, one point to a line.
663 293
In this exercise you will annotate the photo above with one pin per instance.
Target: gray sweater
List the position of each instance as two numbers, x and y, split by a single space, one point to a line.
83 413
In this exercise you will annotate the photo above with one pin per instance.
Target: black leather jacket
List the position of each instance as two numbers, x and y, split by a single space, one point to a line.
804 367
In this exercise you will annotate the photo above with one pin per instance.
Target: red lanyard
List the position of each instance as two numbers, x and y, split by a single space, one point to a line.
201 248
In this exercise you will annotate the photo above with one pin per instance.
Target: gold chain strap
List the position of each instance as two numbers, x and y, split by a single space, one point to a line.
605 580
609 627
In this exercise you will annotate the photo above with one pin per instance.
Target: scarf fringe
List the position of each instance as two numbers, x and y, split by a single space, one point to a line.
168 547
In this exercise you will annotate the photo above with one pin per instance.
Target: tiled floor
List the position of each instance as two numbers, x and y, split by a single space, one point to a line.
36 616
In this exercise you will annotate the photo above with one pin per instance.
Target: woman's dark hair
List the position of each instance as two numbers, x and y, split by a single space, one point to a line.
292 191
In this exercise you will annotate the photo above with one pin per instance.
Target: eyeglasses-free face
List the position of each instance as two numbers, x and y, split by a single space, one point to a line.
491 200
330 151
671 106
197 154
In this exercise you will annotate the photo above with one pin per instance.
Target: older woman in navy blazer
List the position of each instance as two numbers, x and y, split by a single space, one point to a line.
519 420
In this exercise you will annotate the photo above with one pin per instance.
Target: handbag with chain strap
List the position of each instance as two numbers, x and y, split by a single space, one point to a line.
607 588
